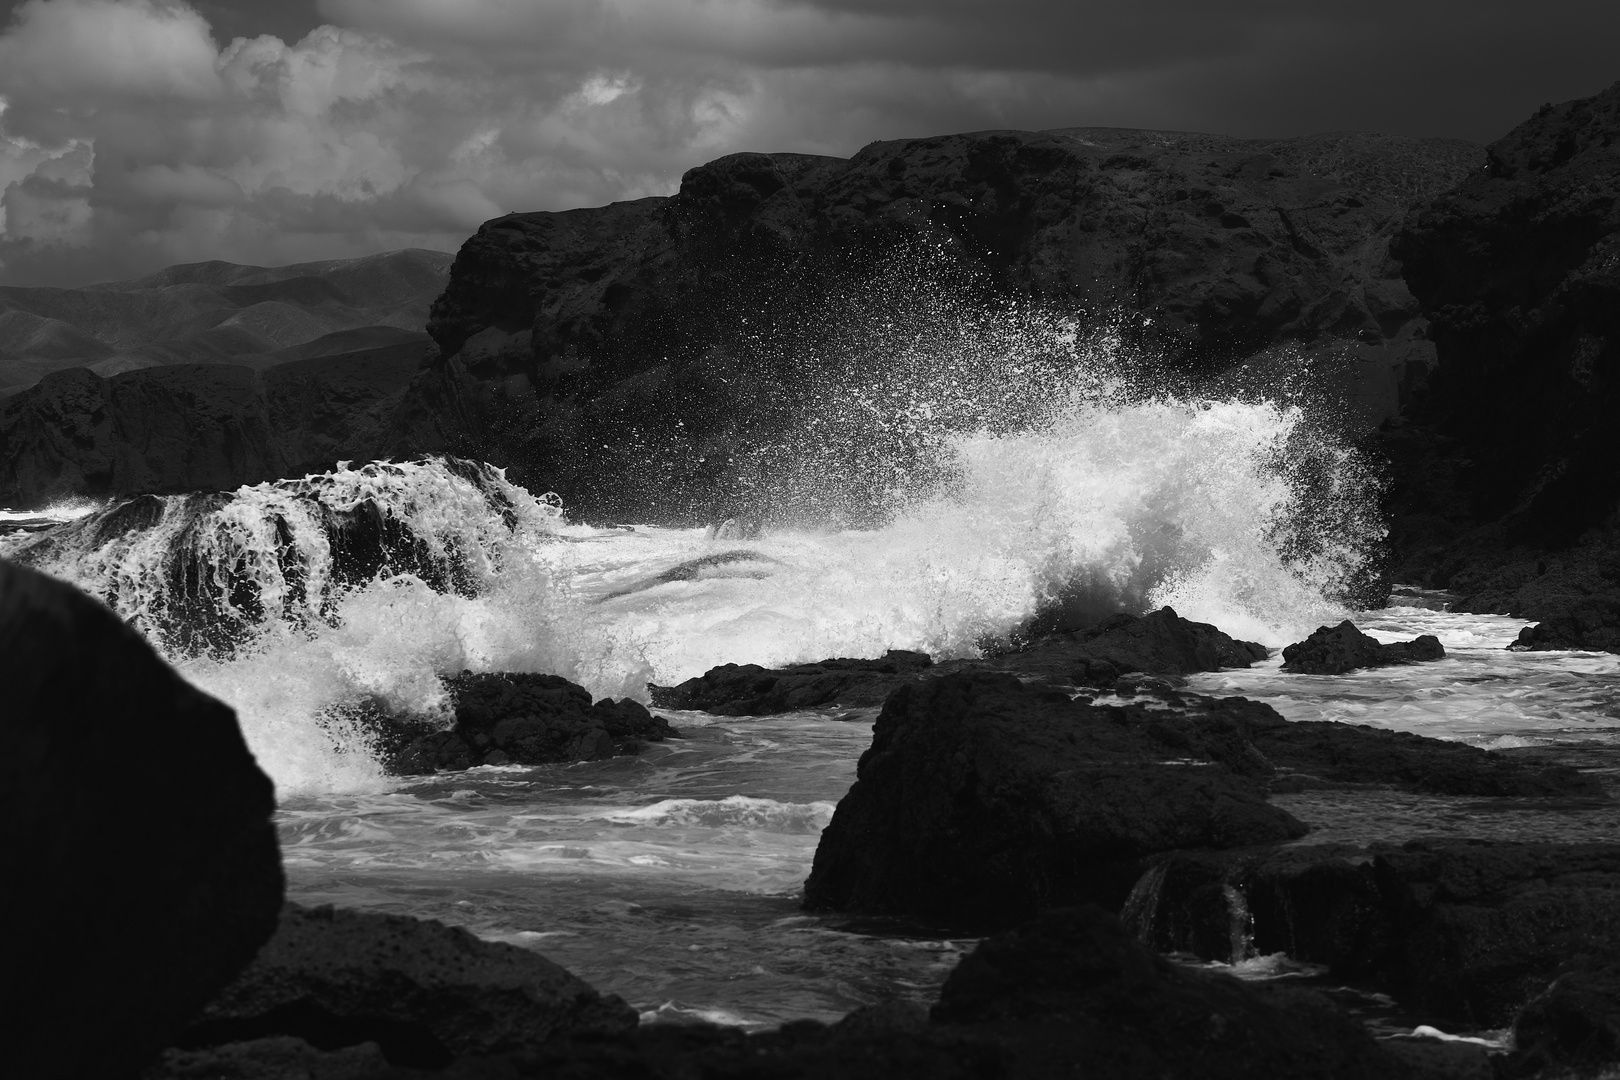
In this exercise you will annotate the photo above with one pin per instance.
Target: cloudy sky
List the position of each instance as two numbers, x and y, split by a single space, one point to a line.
139 133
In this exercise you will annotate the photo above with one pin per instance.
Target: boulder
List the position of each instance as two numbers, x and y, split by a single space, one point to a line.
423 992
144 865
1505 489
750 690
1460 929
517 718
1334 650
982 800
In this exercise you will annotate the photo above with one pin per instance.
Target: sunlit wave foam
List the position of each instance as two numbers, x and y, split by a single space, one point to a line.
735 811
1003 465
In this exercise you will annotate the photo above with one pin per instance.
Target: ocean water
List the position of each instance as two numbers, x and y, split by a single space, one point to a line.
672 877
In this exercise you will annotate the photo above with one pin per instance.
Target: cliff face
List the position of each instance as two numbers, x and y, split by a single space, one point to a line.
636 357
1509 462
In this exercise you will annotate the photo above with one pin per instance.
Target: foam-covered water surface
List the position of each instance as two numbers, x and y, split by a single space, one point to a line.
671 878
1481 693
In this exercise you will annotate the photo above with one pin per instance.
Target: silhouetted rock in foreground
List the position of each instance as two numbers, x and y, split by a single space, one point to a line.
143 870
1337 649
983 800
424 992
520 719
1463 929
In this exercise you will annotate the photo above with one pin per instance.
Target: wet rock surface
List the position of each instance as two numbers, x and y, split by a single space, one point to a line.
1334 650
1505 488
516 718
145 868
750 690
983 799
1160 645
1466 931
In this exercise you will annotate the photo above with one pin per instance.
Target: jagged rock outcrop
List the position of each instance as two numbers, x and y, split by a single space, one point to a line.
517 718
750 690
1160 645
1334 650
648 357
145 869
1506 486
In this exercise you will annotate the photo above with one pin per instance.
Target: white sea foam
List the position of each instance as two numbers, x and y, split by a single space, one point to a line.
734 811
1014 465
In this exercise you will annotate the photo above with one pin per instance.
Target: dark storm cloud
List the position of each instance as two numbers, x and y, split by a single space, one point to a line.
141 132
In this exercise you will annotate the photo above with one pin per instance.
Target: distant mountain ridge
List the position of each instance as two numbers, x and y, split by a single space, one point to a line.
219 313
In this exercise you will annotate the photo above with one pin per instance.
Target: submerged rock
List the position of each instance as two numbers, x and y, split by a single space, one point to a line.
1468 930
982 800
1337 649
144 869
750 690
423 992
518 718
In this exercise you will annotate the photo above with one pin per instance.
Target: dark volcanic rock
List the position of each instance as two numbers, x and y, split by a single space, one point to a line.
144 871
1595 627
1073 993
1334 650
1357 754
185 427
983 800
750 690
1506 487
1160 643
522 719
1466 930
424 992
655 357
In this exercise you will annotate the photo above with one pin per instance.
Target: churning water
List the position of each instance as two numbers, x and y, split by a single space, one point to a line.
672 877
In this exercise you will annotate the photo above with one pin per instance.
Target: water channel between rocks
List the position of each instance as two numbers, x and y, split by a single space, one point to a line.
672 878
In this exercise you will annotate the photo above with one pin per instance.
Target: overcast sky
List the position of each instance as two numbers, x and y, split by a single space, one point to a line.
139 133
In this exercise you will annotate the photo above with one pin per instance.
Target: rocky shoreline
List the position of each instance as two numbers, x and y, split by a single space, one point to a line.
1077 824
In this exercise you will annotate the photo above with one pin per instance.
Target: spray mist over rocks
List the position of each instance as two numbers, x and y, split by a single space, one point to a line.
961 467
